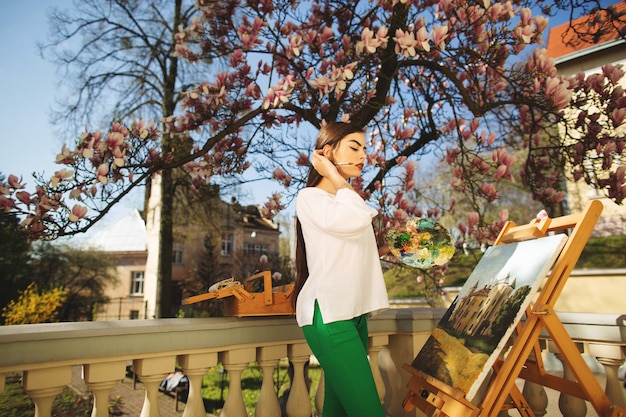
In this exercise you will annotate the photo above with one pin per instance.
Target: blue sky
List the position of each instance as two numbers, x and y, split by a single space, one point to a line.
27 91
27 94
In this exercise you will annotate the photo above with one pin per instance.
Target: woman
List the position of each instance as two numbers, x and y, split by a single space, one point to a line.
339 277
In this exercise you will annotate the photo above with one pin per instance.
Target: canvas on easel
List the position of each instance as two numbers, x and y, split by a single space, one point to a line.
489 390
474 330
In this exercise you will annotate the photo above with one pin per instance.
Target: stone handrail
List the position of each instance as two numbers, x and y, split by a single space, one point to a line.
601 339
46 353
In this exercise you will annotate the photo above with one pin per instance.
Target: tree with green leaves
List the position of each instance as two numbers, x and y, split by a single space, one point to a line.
82 274
14 258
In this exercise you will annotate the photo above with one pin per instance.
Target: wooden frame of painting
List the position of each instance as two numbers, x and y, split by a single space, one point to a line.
506 303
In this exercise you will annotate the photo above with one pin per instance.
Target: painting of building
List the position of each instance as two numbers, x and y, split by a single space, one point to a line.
475 329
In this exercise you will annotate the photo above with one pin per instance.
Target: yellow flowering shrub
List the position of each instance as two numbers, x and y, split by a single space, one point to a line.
33 306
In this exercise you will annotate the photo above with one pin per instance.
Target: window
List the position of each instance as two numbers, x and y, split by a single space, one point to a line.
588 164
178 253
227 244
134 314
136 282
251 249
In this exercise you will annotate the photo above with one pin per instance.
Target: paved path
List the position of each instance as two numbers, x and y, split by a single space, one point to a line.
133 397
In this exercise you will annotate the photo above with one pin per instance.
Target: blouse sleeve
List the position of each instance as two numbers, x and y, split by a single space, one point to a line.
344 213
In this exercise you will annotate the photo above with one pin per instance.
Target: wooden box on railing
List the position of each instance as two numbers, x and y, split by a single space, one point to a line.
240 300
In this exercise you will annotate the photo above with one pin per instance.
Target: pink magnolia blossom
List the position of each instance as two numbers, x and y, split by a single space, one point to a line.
78 213
369 42
273 206
281 176
103 171
489 191
6 204
295 46
14 182
405 43
279 94
423 39
440 34
65 157
472 219
24 197
61 176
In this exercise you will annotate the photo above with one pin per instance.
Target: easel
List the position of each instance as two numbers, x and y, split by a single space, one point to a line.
435 398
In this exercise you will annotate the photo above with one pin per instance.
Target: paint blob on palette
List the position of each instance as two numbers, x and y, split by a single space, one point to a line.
421 243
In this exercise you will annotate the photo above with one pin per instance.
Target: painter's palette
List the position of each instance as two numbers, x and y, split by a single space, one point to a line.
421 243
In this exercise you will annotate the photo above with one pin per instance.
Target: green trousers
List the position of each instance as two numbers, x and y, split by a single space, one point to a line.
341 349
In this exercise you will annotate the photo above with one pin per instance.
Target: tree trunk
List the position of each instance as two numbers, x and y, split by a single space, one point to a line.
164 273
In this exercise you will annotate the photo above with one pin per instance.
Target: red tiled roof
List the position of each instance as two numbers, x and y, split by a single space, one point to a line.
562 41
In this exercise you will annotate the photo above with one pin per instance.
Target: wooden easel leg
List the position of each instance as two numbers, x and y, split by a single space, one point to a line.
520 402
572 358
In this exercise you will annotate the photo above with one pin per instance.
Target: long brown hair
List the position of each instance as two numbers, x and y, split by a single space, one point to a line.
330 134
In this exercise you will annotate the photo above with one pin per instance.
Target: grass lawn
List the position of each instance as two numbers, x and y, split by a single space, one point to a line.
215 385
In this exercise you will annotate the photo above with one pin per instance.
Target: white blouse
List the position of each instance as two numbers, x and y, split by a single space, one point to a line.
345 275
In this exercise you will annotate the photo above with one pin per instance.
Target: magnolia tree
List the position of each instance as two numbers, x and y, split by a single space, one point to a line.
458 81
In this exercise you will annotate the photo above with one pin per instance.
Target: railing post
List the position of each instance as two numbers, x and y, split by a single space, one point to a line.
268 358
299 402
151 372
535 394
611 358
319 395
235 361
537 398
43 385
402 348
195 366
376 344
101 378
569 405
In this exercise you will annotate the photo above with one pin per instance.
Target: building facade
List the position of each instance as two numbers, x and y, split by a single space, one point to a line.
573 55
232 241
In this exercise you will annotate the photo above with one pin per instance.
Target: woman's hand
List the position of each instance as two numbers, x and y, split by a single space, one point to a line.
328 170
322 164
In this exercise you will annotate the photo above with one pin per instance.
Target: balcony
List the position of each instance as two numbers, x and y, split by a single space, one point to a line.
46 354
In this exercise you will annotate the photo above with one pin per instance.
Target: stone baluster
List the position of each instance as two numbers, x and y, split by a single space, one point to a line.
299 402
268 358
101 378
319 396
535 394
376 344
195 366
234 362
611 357
569 405
43 385
151 372
536 397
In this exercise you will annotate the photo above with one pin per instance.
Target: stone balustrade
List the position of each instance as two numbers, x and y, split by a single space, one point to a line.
46 353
